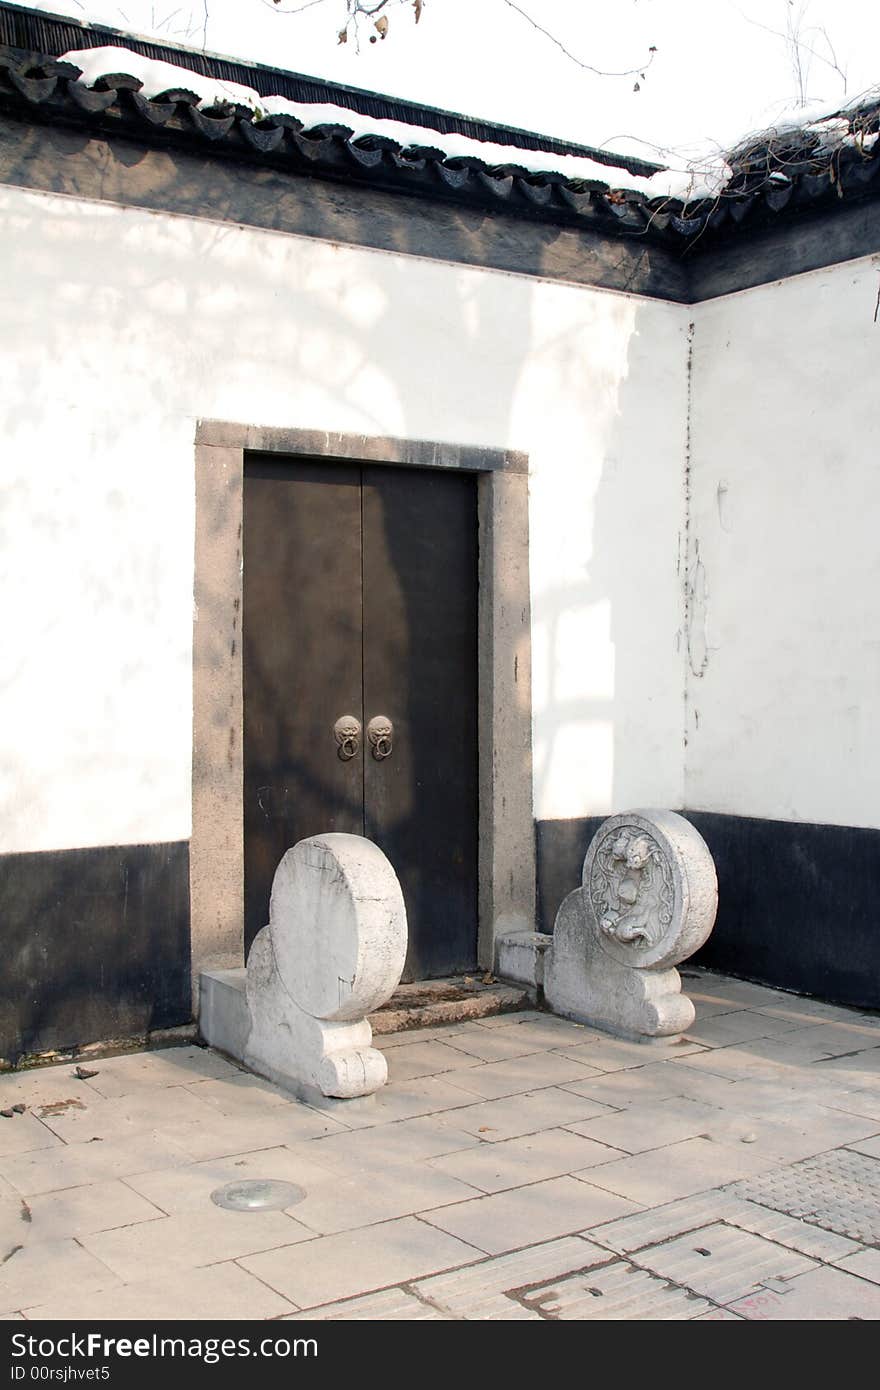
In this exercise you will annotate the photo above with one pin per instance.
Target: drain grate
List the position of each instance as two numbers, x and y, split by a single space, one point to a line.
839 1191
258 1194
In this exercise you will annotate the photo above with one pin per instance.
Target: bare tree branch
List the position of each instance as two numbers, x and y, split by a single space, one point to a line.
793 36
587 67
297 9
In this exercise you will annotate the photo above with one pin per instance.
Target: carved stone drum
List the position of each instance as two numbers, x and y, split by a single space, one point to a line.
648 900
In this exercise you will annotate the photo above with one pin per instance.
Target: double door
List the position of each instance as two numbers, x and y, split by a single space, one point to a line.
360 683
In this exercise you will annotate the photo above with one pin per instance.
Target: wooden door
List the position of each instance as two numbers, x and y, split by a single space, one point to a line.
360 589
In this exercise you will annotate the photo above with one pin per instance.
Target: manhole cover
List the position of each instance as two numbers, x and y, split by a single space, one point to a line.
258 1194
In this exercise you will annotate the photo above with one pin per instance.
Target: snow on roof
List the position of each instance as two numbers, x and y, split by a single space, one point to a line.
824 125
703 180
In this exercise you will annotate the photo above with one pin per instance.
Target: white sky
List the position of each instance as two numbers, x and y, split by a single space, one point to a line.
718 72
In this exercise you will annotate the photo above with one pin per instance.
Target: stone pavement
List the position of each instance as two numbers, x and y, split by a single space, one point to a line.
519 1167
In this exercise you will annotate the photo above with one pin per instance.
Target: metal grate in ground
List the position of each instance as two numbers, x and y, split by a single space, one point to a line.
839 1191
615 1292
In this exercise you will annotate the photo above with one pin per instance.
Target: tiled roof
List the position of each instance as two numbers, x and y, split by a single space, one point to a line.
774 176
37 31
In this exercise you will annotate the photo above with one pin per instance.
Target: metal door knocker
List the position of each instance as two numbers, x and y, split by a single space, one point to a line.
347 730
380 731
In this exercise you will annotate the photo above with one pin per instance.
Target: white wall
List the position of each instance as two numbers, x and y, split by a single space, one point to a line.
123 327
784 681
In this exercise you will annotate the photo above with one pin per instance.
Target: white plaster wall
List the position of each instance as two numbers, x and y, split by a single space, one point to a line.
784 679
122 328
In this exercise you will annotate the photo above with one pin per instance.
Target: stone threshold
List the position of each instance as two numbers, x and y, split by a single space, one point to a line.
428 1003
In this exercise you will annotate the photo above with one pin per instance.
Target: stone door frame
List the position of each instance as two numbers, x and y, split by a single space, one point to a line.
506 857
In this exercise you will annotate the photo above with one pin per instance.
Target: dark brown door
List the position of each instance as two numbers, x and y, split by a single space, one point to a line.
360 589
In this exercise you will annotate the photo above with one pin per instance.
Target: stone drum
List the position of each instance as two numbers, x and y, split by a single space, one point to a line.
333 951
648 900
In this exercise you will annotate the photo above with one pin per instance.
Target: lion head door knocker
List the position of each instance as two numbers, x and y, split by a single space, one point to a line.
380 732
347 731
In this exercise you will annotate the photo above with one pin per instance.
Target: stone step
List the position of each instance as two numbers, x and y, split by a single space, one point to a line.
224 1021
427 1003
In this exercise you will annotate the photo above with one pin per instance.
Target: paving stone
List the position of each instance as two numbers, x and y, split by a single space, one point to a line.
839 1191
408 1141
657 1081
822 1295
621 1089
169 1066
499 1044
853 1102
223 1135
744 993
27 1274
741 1064
219 1293
838 1039
240 1096
513 1162
190 1239
710 1008
660 1175
14 1223
404 1100
507 1020
189 1188
548 1032
790 1050
871 1146
41 1087
719 1315
390 1305
529 1215
78 1211
864 1263
615 1292
480 1292
606 1054
790 1131
175 1123
806 1011
339 1266
643 1127
494 1079
344 1205
721 1262
387 1042
74 1165
24 1134
743 1025
426 1059
675 1218
121 1117
860 1072
497 1120
777 1096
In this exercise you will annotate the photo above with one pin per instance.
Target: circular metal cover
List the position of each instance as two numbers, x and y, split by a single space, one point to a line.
258 1194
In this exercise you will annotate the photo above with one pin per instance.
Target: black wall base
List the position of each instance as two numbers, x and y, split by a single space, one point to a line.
799 905
95 945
